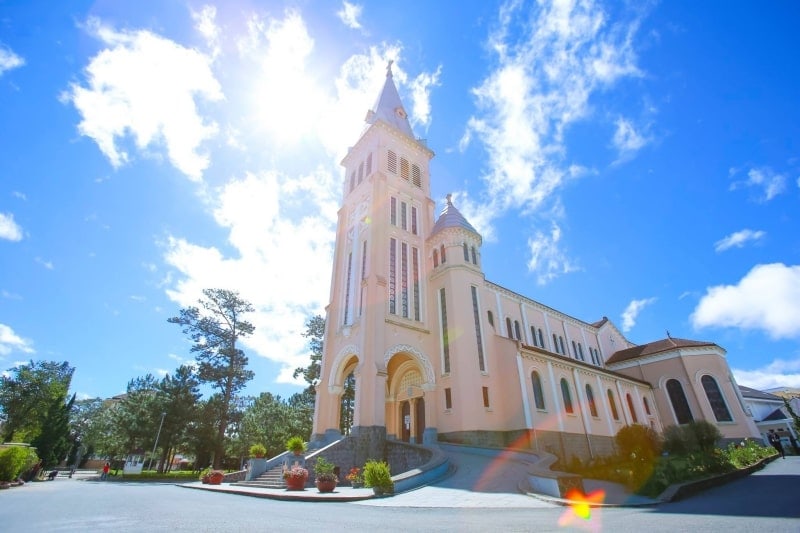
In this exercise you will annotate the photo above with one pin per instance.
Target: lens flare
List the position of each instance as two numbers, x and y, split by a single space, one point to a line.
579 512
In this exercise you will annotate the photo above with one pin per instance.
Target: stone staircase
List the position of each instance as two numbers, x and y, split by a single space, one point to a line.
271 479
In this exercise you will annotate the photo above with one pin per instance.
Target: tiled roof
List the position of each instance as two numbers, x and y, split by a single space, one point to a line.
451 218
663 345
747 392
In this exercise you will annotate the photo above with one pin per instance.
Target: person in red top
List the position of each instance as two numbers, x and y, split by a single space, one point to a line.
106 468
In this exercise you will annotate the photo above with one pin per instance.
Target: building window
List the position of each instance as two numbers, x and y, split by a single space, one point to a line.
590 400
646 405
369 164
441 251
393 211
413 220
415 280
538 393
445 339
714 395
404 279
613 403
352 181
478 338
474 257
435 258
416 176
508 328
555 343
567 396
561 342
466 253
490 316
347 289
393 276
448 399
364 260
403 216
361 172
541 338
679 402
631 408
485 397
580 352
517 330
533 334
404 168
391 162
575 349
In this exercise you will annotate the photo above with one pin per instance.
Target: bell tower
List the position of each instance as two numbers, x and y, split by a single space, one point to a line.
379 286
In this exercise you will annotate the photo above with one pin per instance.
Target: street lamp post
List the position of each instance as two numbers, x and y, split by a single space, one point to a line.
155 444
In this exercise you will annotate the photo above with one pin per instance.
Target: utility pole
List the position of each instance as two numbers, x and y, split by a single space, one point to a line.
158 434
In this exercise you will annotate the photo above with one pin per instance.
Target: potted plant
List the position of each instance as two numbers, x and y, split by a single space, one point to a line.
259 451
295 477
326 478
355 478
212 477
378 476
296 445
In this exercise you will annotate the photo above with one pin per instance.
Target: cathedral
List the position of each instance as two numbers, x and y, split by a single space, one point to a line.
441 354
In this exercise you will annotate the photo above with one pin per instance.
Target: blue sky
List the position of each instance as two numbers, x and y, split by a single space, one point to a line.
639 162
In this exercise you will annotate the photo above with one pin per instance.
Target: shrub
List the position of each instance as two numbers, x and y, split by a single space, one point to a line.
678 440
323 470
638 442
296 444
258 450
378 475
705 434
14 460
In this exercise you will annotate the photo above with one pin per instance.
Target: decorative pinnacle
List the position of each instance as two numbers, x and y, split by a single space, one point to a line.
449 199
389 68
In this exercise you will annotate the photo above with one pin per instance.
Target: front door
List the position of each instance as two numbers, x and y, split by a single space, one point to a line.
405 421
419 419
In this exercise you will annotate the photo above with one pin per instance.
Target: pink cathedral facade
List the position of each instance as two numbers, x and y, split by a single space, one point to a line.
439 353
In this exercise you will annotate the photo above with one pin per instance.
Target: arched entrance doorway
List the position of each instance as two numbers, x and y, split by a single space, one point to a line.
405 409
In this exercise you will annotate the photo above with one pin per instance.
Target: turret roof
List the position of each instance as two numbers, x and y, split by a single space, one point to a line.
451 217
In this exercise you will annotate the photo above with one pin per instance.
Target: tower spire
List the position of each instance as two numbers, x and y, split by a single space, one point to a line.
389 68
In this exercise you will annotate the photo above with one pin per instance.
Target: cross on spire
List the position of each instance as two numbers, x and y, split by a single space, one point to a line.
389 68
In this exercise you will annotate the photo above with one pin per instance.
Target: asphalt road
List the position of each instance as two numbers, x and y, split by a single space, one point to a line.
768 500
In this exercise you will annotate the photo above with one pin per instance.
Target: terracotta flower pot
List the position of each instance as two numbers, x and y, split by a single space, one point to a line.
296 483
326 486
215 478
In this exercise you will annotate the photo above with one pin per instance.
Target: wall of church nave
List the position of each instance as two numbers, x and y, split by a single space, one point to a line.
563 445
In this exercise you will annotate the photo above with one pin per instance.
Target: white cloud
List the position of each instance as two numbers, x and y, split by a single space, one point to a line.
206 25
47 264
778 373
20 195
145 86
632 312
420 96
9 60
349 15
547 260
627 139
767 298
9 229
738 239
541 86
282 228
11 342
765 180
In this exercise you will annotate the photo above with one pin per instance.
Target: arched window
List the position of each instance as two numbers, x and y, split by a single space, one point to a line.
561 342
435 259
474 256
567 397
533 334
555 343
646 405
679 403
590 399
613 404
466 253
490 316
714 395
538 394
632 410
444 257
508 327
517 331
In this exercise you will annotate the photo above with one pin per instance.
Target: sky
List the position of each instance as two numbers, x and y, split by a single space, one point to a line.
633 160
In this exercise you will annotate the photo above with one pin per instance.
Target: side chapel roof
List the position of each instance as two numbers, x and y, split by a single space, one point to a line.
663 345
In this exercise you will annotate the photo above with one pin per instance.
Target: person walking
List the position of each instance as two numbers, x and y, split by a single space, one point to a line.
775 440
106 468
